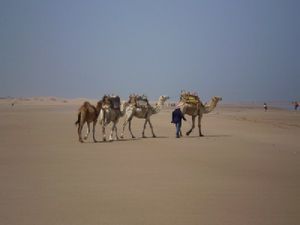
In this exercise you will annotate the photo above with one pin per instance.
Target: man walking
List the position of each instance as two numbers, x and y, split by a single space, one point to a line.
177 116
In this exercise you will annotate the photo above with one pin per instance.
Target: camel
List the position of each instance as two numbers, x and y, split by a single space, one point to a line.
144 112
111 113
88 113
198 110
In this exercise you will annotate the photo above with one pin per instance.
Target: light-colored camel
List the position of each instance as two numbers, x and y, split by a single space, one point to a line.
87 113
109 114
198 110
144 112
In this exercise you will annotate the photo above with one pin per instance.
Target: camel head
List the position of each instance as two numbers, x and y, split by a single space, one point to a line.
163 98
161 101
216 99
99 104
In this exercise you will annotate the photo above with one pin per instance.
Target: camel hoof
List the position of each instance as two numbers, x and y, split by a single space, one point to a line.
154 136
81 141
133 136
201 135
187 133
85 137
104 139
121 136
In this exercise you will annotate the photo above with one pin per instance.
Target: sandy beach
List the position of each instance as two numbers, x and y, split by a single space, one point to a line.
244 171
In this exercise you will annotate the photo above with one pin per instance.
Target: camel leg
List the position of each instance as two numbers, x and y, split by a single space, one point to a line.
124 126
153 135
180 132
129 127
193 126
128 116
103 123
127 120
79 132
87 131
103 133
94 126
111 133
116 131
143 133
199 126
123 129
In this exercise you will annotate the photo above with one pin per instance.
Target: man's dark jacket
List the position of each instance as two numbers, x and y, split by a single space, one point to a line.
177 116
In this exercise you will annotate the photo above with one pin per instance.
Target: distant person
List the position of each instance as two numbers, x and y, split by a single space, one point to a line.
265 106
177 117
296 105
13 103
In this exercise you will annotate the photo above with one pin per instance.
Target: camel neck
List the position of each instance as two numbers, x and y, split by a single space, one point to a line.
210 106
98 109
123 108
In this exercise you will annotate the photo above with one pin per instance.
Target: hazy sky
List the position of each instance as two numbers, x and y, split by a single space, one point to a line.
238 49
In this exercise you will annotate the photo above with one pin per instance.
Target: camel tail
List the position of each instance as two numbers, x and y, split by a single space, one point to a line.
78 119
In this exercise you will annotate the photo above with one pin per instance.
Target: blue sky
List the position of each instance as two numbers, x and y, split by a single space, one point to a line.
240 50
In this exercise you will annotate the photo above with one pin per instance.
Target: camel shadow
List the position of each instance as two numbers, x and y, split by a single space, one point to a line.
210 136
127 139
119 140
217 135
90 142
162 137
107 141
157 137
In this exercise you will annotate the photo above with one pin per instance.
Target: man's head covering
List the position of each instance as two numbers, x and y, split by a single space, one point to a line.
178 105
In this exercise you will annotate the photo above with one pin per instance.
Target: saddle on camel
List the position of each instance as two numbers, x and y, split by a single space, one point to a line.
138 100
189 98
113 102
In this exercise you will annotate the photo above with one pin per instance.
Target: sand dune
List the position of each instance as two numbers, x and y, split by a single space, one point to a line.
244 171
49 100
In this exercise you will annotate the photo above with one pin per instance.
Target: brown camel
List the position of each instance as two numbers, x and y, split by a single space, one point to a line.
198 109
88 113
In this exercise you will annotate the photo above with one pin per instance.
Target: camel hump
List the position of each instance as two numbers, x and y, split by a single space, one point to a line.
190 98
138 100
111 101
86 104
106 102
142 102
91 109
116 102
